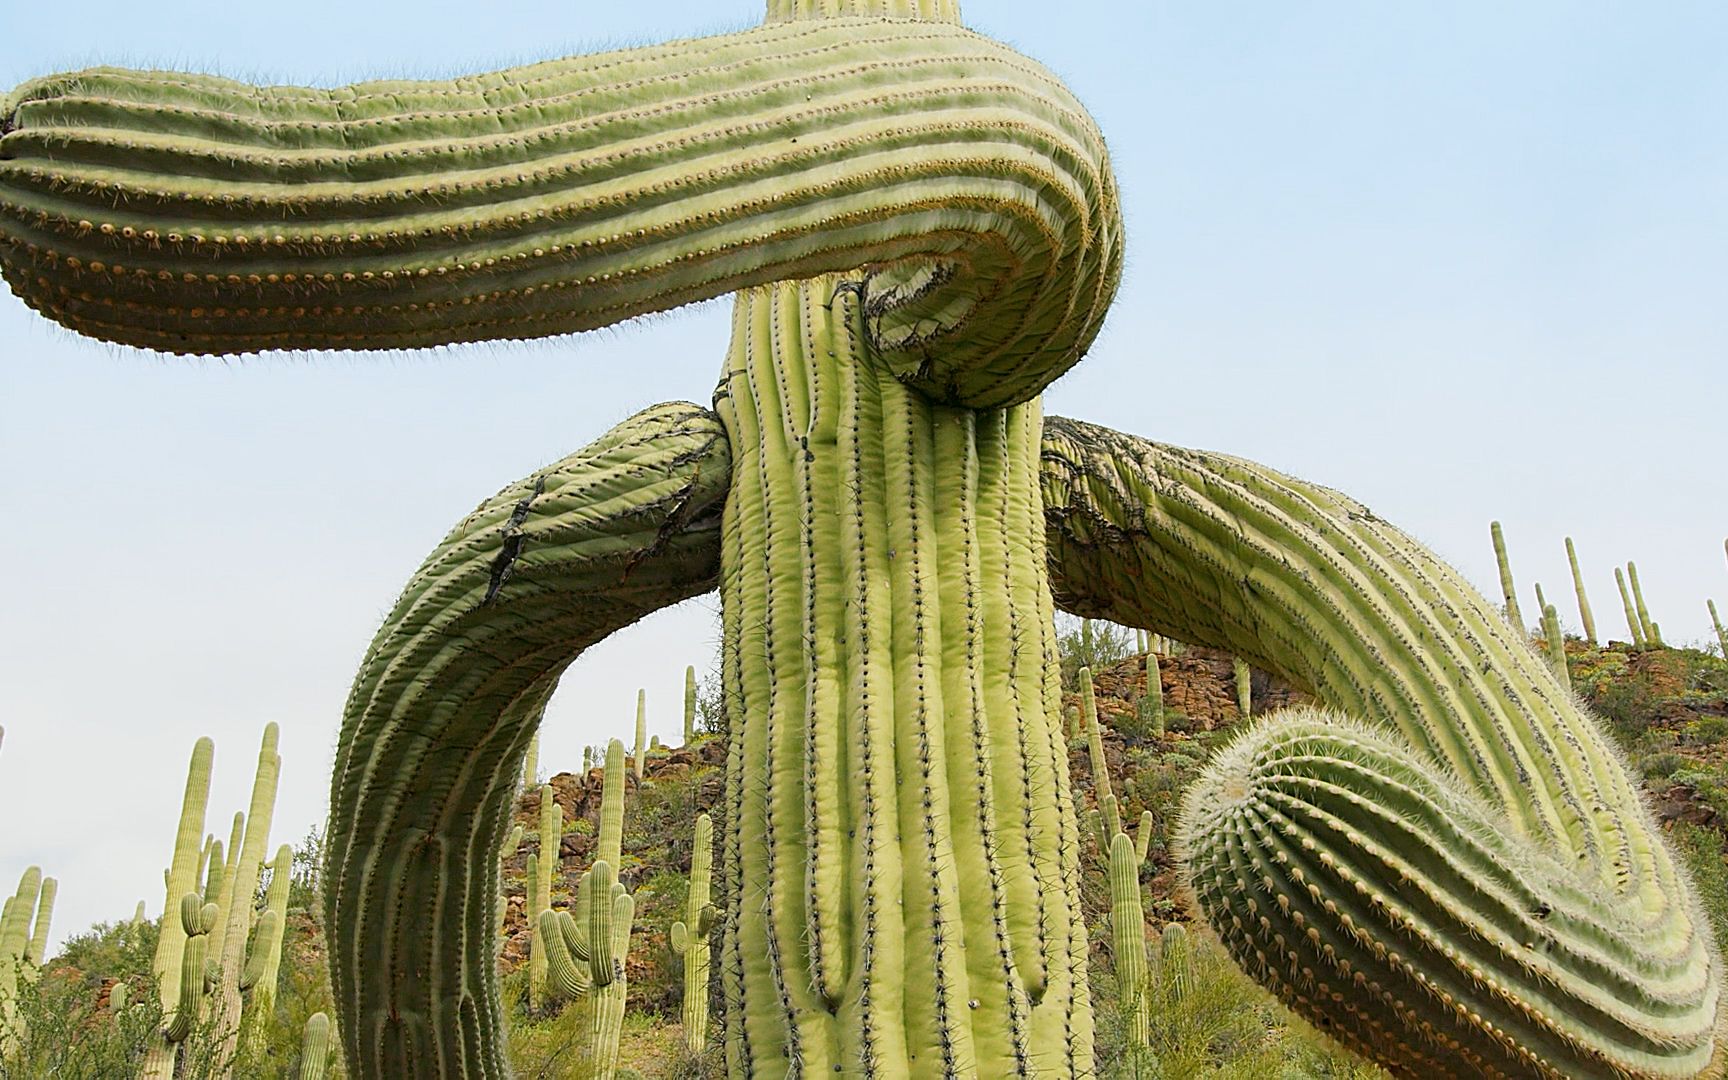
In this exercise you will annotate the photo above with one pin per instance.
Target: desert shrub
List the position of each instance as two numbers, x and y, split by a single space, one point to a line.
1089 643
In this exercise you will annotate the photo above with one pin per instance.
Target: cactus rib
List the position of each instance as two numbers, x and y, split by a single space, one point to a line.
1475 873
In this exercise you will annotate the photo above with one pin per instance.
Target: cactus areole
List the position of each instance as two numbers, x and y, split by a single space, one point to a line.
923 231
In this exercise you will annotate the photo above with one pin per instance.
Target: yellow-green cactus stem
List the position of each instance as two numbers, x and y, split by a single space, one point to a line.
243 887
610 847
182 878
1150 708
1463 881
1634 626
1507 589
1556 642
197 919
1651 635
1244 680
926 233
38 946
531 765
544 871
264 960
316 1048
690 935
689 705
1110 816
1128 928
1584 614
1175 966
1721 635
14 947
641 751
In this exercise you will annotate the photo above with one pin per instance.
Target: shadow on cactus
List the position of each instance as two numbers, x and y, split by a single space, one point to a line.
923 232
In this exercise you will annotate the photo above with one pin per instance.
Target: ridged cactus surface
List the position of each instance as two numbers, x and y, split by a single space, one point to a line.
1462 881
690 936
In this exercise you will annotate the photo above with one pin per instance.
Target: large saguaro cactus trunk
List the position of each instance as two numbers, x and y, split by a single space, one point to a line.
898 800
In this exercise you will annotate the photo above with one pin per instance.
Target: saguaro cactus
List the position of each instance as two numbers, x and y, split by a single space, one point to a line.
923 232
543 869
1128 927
641 752
1721 635
1633 625
1584 614
1463 882
230 950
689 705
587 953
1651 635
1150 707
1507 589
182 879
690 936
315 1047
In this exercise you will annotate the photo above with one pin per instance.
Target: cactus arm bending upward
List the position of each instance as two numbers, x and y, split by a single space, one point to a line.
441 713
194 214
1462 882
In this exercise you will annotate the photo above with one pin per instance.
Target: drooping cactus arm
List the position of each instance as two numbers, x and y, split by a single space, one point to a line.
1476 879
194 214
442 711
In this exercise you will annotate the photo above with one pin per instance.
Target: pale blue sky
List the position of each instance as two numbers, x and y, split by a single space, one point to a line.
1462 260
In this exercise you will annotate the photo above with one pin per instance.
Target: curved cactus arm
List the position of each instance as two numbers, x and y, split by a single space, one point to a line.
194 214
315 1047
1476 962
441 713
566 978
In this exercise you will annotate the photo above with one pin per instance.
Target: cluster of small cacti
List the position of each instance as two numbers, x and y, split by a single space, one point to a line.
584 952
202 964
24 920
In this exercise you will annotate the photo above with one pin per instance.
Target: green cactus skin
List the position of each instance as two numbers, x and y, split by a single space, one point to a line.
34 952
1652 636
543 871
224 862
182 879
567 975
610 846
14 950
531 765
229 949
197 919
689 705
641 752
1475 876
1244 686
1109 813
1507 588
1128 927
466 660
1175 962
609 995
1721 635
1556 642
690 936
586 957
1634 626
930 925
1584 614
315 1047
1150 708
264 960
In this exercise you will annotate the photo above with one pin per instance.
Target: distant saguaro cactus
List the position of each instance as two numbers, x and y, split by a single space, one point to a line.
690 936
1584 613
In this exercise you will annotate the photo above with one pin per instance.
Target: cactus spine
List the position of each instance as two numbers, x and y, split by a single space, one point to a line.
1584 614
1128 925
1507 588
689 705
182 880
690 936
641 734
1634 627
542 869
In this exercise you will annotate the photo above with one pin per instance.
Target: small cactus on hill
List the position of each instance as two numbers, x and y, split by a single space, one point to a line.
1128 925
689 705
1721 634
1584 614
1507 589
1634 627
641 733
544 868
690 936
1244 687
1652 635
1556 645
1150 707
